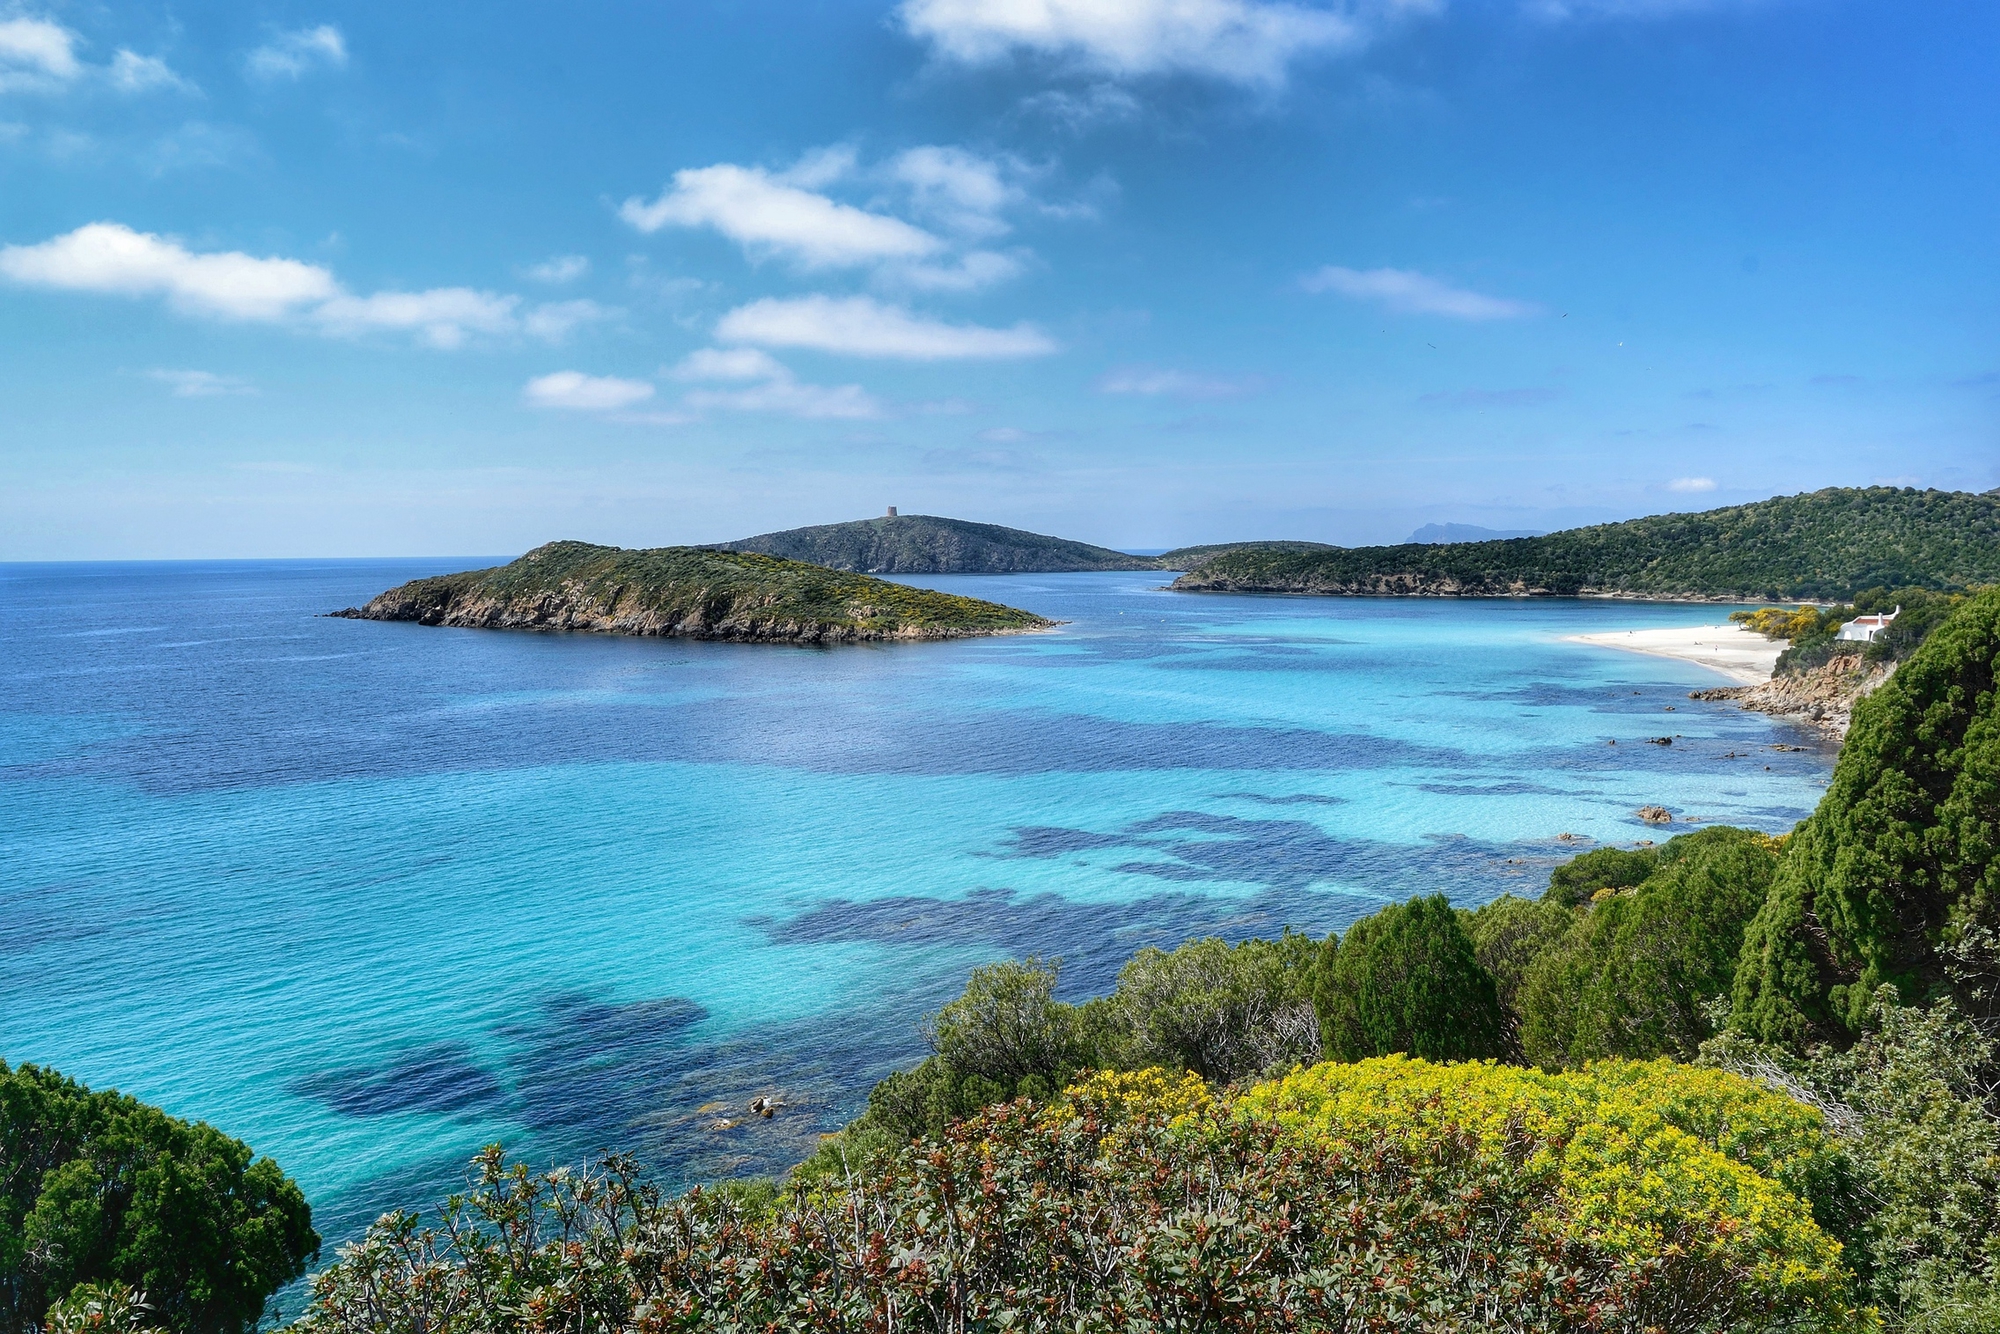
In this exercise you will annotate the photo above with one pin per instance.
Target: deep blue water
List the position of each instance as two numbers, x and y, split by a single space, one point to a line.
369 896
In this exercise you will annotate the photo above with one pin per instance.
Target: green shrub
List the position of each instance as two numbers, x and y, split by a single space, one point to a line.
1897 864
1914 1104
1225 1012
1407 980
1635 975
102 1197
1576 880
1510 933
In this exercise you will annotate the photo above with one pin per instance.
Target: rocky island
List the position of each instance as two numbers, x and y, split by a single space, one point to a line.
925 544
689 593
1817 546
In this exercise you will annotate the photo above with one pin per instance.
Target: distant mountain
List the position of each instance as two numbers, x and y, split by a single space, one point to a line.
924 544
1819 545
689 593
1432 533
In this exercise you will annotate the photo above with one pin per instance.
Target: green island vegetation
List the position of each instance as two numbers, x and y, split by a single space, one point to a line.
1821 545
1728 1082
925 544
691 593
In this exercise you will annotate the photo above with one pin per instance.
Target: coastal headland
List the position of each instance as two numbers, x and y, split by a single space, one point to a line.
689 593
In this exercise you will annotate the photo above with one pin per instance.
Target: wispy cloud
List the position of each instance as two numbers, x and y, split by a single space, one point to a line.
1408 292
1249 42
767 215
929 221
1692 485
862 327
202 384
763 384
110 259
293 55
1149 380
560 269
576 392
36 55
131 72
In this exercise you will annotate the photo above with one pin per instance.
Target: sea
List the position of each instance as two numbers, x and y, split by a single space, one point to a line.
371 896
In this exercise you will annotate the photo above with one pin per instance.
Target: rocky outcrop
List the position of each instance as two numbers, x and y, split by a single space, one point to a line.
1822 697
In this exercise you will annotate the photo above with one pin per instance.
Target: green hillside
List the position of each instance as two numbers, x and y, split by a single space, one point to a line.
1823 544
925 544
1188 558
688 592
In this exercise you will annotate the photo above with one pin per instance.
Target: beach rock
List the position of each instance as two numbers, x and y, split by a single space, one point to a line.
1655 814
1822 697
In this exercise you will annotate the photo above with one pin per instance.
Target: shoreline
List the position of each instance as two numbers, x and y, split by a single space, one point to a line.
1742 655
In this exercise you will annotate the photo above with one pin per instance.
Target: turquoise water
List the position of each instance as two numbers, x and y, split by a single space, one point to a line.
369 896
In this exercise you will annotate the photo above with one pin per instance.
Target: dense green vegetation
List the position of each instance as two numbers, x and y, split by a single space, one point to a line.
1391 1194
1187 558
924 544
1895 878
103 1198
688 592
1826 544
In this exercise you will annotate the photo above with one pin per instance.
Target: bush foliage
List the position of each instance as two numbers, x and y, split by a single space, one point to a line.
1897 866
103 1198
1143 1202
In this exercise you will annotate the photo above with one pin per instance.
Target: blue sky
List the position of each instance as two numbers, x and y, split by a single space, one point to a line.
363 279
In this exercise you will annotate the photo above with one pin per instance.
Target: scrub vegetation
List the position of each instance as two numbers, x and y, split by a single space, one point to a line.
1829 544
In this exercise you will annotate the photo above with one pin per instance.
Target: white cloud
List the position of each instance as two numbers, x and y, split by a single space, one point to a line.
1411 293
202 384
960 190
36 54
578 392
292 55
1250 42
131 72
112 259
770 387
766 214
969 273
1692 484
553 320
861 327
443 316
1175 384
728 363
847 402
560 269
109 258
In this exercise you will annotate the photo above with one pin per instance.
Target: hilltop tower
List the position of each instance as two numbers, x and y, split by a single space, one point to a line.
891 514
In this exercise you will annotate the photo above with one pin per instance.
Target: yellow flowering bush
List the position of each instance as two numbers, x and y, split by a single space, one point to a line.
1643 1161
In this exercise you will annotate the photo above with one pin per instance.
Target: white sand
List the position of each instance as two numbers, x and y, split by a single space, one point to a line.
1744 656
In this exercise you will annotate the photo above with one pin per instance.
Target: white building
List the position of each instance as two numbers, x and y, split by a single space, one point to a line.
1866 629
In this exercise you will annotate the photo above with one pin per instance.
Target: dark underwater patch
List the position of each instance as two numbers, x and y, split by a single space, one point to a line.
443 1079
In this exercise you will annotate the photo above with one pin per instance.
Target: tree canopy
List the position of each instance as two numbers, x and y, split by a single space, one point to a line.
98 1189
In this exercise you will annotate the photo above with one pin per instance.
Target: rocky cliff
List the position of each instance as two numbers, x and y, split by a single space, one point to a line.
1822 696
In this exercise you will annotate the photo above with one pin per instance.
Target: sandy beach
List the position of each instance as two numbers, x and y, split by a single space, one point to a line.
1743 656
